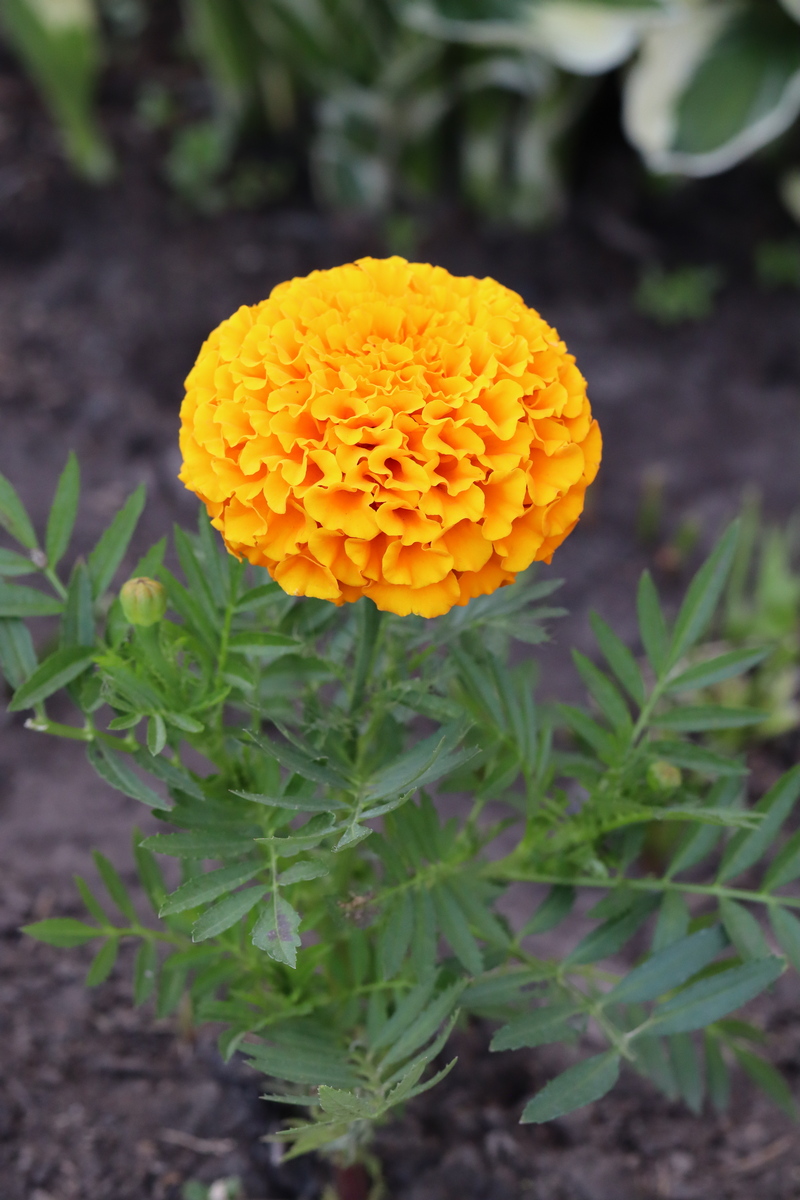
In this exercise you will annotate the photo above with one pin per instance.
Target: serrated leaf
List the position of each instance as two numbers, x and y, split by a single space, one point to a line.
408 1009
669 968
786 928
697 718
715 670
307 804
686 1067
768 1079
579 1085
13 516
208 886
423 945
276 931
423 764
199 844
672 923
612 935
746 848
556 906
301 1056
785 866
600 740
145 967
116 771
703 595
541 1027
62 931
93 905
423 1027
743 930
302 872
619 658
114 885
696 758
63 512
17 655
103 963
18 601
149 872
226 913
77 623
709 999
345 1106
267 647
717 1074
396 935
454 925
604 693
652 626
301 763
176 778
57 670
105 558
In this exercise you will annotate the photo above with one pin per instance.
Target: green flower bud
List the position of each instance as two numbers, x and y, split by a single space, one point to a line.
663 776
143 600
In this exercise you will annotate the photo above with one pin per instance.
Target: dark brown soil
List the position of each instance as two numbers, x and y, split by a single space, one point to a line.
104 299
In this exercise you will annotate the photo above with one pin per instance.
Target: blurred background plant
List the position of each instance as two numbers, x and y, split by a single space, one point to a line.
392 102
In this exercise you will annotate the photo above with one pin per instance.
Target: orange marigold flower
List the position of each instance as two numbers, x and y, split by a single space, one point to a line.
390 430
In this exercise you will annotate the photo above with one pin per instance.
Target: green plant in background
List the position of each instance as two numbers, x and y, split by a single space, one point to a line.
59 42
778 263
674 297
327 916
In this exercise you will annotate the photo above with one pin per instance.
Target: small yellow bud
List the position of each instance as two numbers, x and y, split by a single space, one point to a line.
663 776
144 601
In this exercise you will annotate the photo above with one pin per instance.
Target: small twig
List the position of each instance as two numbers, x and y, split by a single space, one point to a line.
217 1147
762 1158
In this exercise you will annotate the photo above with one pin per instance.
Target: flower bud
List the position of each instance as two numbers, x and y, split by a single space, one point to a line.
663 776
143 600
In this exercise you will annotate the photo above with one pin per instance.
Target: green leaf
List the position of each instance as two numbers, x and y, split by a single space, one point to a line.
743 930
114 885
267 647
786 928
58 669
669 968
103 963
93 905
396 936
423 945
612 935
600 740
717 1074
226 913
709 999
208 886
426 762
694 718
257 596
110 550
301 872
652 626
116 771
300 763
785 866
686 1067
604 693
18 601
408 1009
77 624
556 906
579 1085
176 778
12 563
700 841
714 670
454 925
13 516
673 921
156 734
17 655
276 931
703 595
696 758
149 872
768 1079
62 931
145 968
63 512
306 804
619 658
199 844
746 848
541 1027
423 1027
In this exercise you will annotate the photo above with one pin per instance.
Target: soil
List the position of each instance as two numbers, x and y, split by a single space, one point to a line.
104 299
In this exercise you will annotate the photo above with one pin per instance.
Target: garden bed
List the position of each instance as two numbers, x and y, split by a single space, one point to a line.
104 300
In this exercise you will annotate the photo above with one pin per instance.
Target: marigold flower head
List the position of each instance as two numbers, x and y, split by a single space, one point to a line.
387 429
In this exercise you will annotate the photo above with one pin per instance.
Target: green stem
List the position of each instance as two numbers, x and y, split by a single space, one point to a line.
518 875
55 582
369 620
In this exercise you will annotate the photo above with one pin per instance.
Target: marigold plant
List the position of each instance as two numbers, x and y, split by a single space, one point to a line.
386 432
388 429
